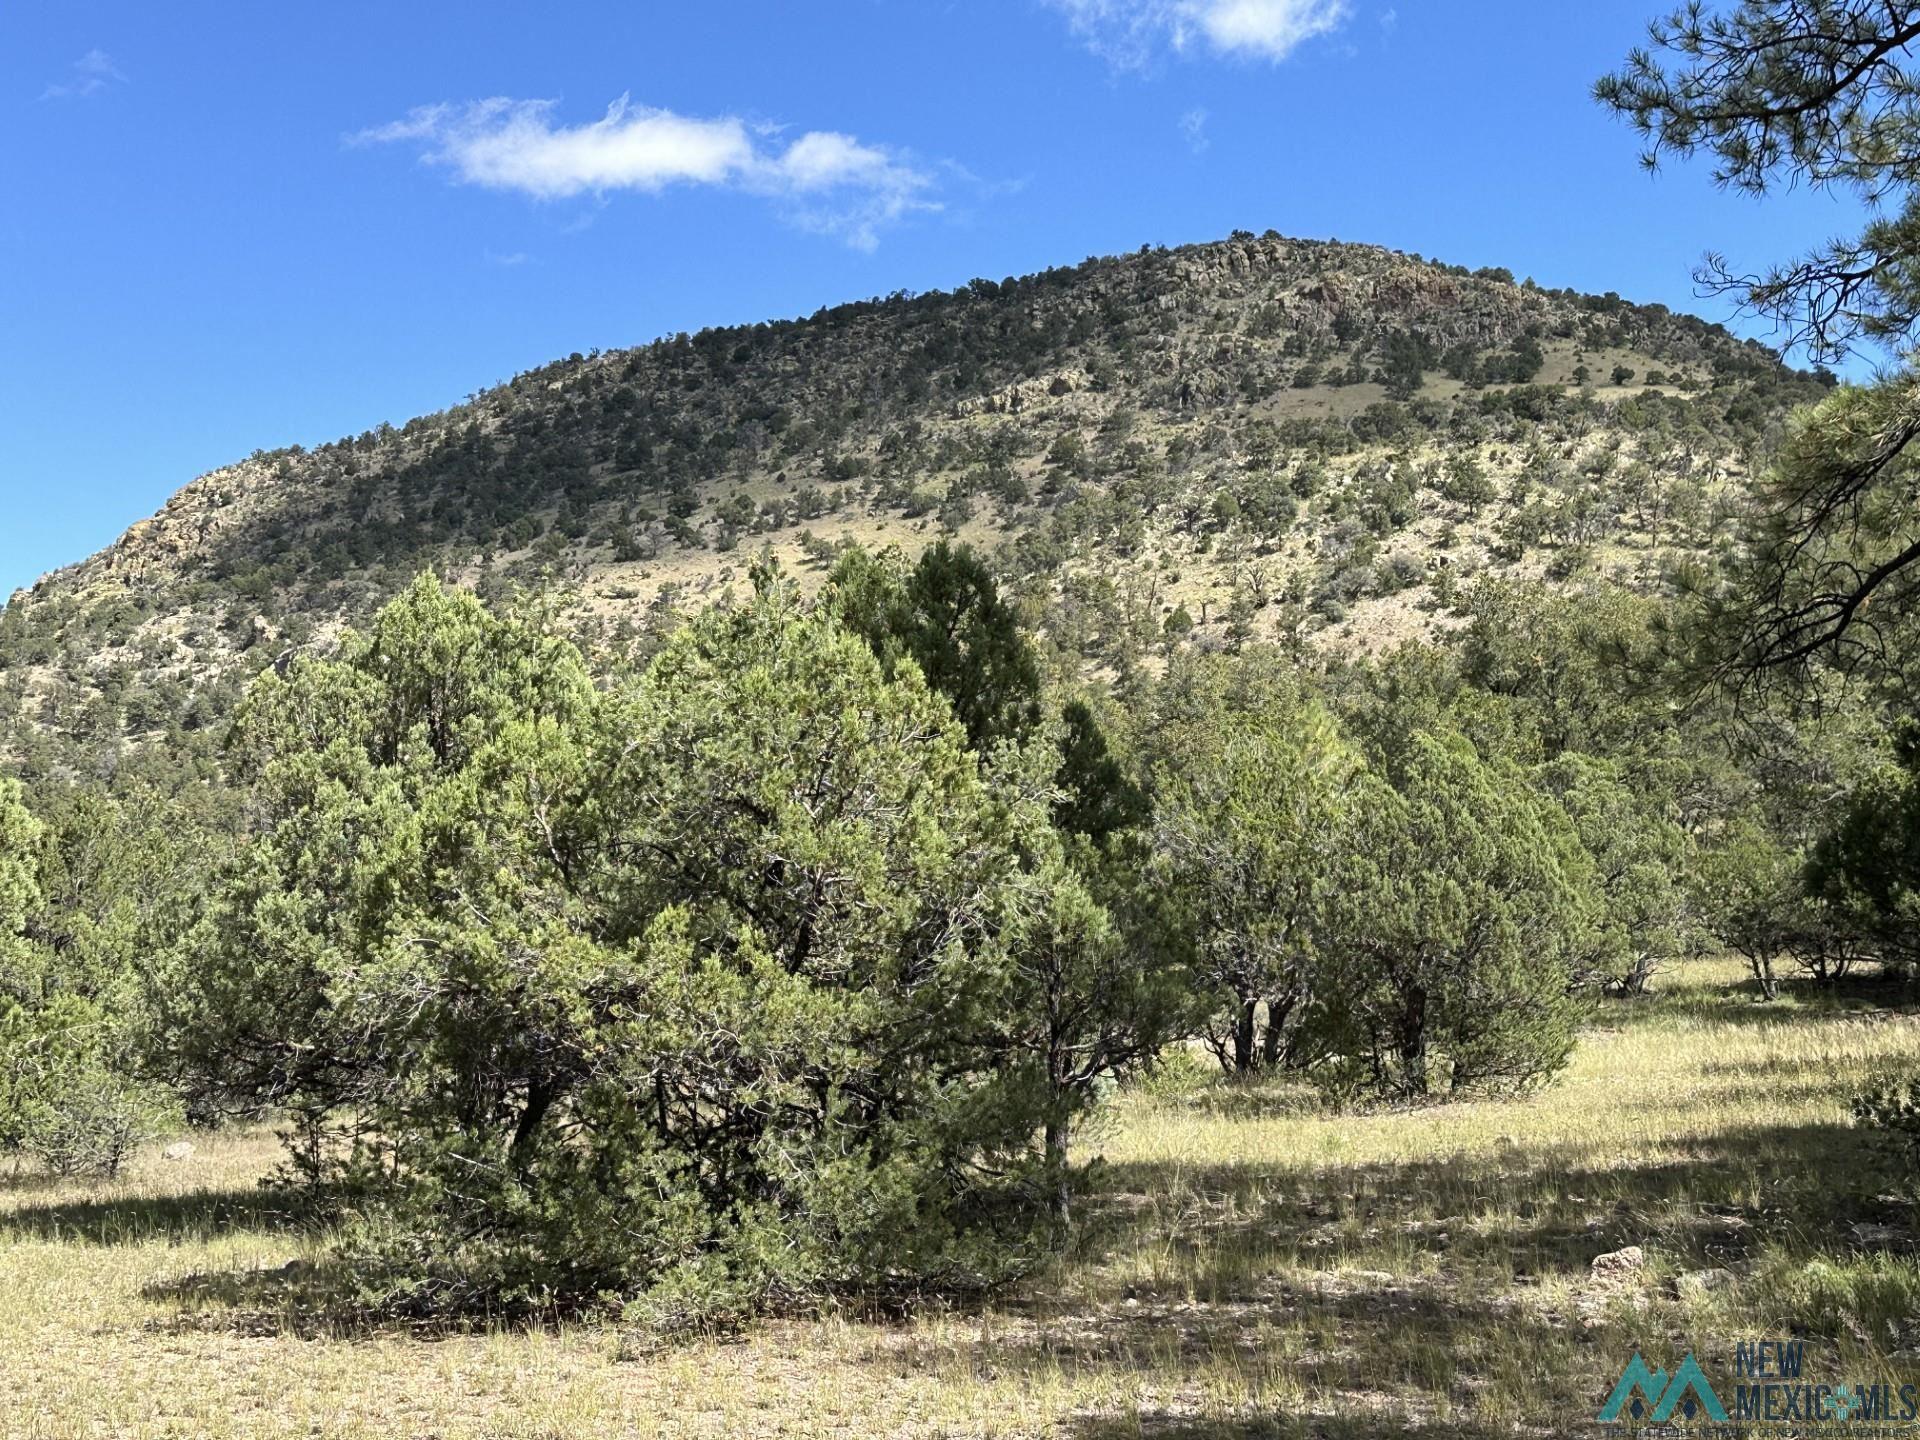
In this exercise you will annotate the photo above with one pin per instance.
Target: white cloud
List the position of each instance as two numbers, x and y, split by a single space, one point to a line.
89 75
824 181
1129 33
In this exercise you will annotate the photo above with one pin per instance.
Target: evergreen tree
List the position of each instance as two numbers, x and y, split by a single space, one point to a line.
947 615
1643 866
1867 866
1462 908
1785 92
1249 811
742 982
74 927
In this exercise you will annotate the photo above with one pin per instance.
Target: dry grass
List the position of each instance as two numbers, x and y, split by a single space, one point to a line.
1256 1267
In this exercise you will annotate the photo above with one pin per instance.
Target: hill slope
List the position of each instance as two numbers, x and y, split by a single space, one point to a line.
1261 436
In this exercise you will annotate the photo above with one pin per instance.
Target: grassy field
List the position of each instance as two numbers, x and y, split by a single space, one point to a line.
1253 1266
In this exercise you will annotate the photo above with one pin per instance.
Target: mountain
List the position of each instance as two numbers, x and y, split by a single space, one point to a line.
1259 437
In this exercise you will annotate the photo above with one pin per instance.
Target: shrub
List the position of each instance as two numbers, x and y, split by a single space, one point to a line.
1249 808
90 1123
1643 860
1889 1113
1175 1074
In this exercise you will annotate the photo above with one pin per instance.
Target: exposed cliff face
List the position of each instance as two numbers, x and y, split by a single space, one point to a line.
1242 434
187 524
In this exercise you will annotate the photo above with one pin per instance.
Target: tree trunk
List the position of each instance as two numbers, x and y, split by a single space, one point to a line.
1057 1166
1413 1044
540 1097
1276 1048
1634 982
1243 1053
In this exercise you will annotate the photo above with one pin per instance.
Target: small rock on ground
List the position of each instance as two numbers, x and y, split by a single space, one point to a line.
1702 1282
1616 1263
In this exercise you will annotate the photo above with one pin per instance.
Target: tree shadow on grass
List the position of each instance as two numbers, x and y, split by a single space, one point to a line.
344 1299
1421 1298
327 1300
1789 1077
1374 1357
1438 1298
1167 1425
1229 1097
1537 1211
1867 995
196 1216
1325 1246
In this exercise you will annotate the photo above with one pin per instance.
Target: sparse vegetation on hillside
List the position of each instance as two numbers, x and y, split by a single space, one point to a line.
1281 439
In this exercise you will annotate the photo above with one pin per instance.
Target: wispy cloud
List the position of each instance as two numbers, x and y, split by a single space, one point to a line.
822 181
89 75
1132 33
1193 125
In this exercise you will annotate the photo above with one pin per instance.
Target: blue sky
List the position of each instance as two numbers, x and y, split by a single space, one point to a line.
229 227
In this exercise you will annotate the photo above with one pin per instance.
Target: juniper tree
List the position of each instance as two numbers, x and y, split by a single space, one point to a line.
79 891
366 791
1643 864
1751 898
1249 810
1101 988
1866 866
19 897
1461 906
740 982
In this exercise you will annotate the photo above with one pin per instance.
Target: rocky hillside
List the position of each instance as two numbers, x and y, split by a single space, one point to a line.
1261 437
